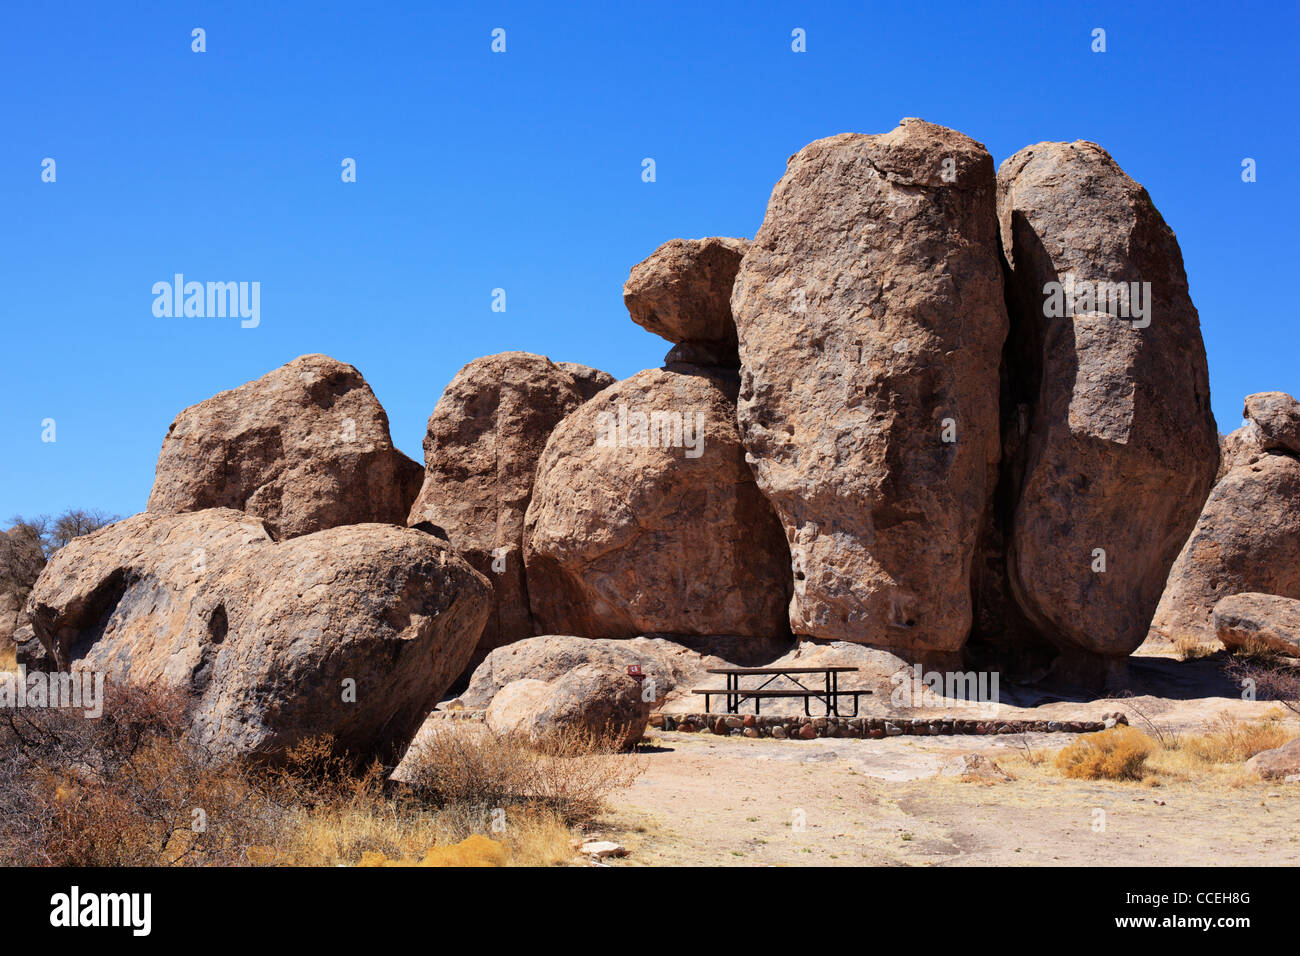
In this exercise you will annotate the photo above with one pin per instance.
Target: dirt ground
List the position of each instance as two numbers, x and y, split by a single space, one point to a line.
901 801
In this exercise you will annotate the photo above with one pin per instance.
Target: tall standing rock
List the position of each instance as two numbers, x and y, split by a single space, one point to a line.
353 631
1247 538
682 292
481 449
645 518
21 560
304 447
871 319
1120 446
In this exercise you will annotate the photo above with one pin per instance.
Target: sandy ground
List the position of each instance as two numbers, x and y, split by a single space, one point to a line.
733 801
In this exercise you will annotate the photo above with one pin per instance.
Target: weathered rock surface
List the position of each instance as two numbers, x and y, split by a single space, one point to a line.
669 666
21 560
1120 444
871 321
1247 539
1265 620
1274 421
305 447
682 292
599 700
645 518
264 636
481 450
1278 763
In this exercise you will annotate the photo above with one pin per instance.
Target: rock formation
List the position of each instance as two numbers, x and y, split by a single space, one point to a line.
870 316
481 450
645 518
682 292
21 560
601 701
1110 395
305 447
1247 538
352 631
1258 621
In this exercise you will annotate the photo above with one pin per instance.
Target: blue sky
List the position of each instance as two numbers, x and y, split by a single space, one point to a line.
522 171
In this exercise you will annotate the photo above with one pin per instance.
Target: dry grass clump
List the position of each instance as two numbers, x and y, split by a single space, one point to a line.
127 789
1189 648
8 657
568 774
1119 753
1124 753
1236 741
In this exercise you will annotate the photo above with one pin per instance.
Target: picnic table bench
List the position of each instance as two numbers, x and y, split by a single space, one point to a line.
735 694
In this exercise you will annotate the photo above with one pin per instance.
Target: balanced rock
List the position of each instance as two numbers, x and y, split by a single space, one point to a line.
1259 620
1247 539
353 631
1111 389
645 518
871 322
599 701
21 560
304 447
682 292
481 450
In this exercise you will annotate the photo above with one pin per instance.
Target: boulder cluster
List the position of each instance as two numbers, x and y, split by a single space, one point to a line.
943 411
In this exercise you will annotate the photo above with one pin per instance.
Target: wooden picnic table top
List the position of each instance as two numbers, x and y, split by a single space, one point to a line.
779 670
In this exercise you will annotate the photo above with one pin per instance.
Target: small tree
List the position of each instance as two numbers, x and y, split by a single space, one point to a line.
54 533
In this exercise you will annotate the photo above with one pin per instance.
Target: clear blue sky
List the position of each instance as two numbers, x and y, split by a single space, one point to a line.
523 171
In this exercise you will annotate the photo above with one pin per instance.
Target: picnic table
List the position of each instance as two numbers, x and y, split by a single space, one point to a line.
829 694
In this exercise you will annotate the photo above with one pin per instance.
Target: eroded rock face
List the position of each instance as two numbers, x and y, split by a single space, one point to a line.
481 450
21 560
1261 620
264 635
871 320
1112 392
1247 539
597 700
682 292
305 447
645 518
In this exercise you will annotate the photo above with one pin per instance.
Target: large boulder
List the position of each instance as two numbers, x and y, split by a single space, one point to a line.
304 447
1111 390
669 667
21 560
645 518
484 439
599 701
1247 539
353 631
1258 620
871 321
682 293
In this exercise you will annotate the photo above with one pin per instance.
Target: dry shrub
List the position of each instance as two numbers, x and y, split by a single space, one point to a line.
123 790
569 773
1236 741
1271 675
1119 753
